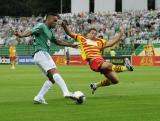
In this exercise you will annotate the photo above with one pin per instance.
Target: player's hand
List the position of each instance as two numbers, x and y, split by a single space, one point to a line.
74 45
60 22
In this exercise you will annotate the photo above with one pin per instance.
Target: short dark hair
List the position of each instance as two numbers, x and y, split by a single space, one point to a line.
92 29
52 14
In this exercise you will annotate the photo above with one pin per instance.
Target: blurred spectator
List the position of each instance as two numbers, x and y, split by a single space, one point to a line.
140 25
67 56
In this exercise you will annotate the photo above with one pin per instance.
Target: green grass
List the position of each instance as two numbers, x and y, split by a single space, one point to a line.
135 98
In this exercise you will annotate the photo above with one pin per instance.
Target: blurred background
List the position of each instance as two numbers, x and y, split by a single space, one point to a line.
141 19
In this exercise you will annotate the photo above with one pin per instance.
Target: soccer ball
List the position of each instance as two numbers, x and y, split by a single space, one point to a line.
80 97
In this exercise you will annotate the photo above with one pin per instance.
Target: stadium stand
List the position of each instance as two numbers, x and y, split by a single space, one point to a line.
23 49
139 25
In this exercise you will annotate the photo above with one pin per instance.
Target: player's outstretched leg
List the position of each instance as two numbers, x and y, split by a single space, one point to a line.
117 68
39 98
95 86
111 79
61 83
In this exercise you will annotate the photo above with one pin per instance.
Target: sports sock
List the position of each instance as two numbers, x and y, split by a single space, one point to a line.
118 68
59 80
46 86
103 83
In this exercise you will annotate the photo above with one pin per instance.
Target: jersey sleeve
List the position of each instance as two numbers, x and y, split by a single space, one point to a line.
37 28
104 42
76 36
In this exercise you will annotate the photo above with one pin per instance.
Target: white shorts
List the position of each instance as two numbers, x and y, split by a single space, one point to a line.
44 61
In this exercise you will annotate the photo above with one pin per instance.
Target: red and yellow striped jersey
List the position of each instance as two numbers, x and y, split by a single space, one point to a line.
12 51
90 48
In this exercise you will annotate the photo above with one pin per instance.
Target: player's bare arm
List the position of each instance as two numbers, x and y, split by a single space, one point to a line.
20 35
62 43
68 32
116 39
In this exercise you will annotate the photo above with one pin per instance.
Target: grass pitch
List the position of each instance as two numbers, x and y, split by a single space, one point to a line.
135 98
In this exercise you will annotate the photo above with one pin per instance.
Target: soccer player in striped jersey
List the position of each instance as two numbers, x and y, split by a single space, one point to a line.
12 55
90 47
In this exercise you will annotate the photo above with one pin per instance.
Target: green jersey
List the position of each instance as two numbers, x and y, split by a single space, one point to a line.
43 36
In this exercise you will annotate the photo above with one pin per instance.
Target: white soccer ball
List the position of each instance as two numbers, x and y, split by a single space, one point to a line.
80 97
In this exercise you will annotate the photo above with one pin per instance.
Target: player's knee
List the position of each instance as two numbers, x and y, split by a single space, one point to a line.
50 76
52 71
115 81
51 79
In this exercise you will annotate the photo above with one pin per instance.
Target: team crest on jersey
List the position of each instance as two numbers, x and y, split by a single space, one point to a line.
91 42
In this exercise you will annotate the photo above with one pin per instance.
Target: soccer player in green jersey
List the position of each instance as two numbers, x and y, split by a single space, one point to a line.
42 32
